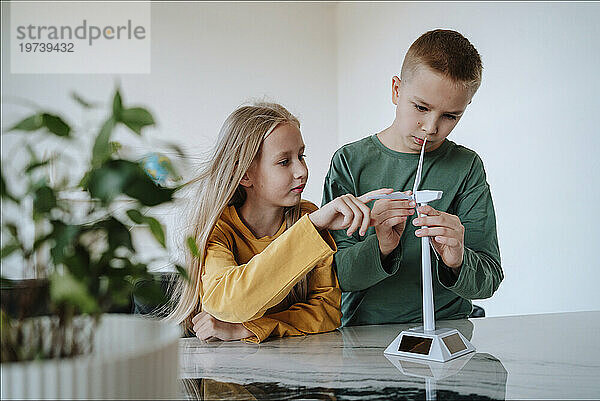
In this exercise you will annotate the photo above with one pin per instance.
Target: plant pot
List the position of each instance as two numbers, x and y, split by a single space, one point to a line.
132 357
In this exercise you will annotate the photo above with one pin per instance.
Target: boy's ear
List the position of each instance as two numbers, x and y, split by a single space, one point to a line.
395 89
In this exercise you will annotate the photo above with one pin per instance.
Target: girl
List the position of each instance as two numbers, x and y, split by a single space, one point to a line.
265 256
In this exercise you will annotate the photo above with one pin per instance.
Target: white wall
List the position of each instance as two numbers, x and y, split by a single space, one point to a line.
533 121
207 59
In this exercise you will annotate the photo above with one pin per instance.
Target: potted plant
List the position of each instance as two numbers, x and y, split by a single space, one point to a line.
81 258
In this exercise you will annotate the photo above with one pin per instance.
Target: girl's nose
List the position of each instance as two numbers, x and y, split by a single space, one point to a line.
300 171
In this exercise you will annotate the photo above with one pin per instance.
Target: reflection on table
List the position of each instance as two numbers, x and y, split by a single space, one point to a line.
512 361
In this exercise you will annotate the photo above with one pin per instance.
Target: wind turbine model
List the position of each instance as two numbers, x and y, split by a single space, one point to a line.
425 342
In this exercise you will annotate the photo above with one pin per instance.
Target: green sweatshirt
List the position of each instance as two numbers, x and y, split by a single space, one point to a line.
374 293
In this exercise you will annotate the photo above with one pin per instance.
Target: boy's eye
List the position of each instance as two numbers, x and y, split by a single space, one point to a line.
284 162
301 157
420 108
450 116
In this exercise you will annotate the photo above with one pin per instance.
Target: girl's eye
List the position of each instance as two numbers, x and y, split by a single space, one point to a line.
450 116
301 157
284 162
420 108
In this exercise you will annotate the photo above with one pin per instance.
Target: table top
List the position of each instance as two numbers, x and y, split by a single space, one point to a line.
532 356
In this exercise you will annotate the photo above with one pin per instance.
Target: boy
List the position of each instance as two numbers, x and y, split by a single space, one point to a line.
380 273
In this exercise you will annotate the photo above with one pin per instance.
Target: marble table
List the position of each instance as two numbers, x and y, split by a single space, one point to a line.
553 356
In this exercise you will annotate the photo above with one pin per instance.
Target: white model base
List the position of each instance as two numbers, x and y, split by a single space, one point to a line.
440 345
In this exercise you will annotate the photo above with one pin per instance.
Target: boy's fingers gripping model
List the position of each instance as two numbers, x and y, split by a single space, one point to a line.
446 231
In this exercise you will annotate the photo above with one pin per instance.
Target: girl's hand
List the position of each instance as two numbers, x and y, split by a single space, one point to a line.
207 327
447 235
346 211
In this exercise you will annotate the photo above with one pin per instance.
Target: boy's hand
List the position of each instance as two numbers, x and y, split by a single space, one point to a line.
389 219
346 211
207 327
447 235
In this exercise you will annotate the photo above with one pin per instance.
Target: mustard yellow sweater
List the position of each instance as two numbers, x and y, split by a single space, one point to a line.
245 276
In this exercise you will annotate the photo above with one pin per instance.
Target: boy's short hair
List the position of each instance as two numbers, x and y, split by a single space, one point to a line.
447 52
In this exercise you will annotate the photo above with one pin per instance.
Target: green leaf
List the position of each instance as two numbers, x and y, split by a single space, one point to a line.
56 125
146 191
52 122
44 200
117 106
140 270
31 123
37 164
157 230
115 272
135 216
82 102
120 297
8 249
149 292
78 263
110 180
66 289
63 236
118 234
155 227
125 177
191 242
101 150
136 118
183 273
39 241
12 229
83 183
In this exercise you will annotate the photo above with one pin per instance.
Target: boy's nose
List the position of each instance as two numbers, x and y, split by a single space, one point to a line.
429 127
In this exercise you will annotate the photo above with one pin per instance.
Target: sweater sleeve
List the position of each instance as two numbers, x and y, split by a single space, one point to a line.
239 293
481 272
358 260
320 312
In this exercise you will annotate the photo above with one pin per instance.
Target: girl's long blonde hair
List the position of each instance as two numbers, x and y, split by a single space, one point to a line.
239 143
